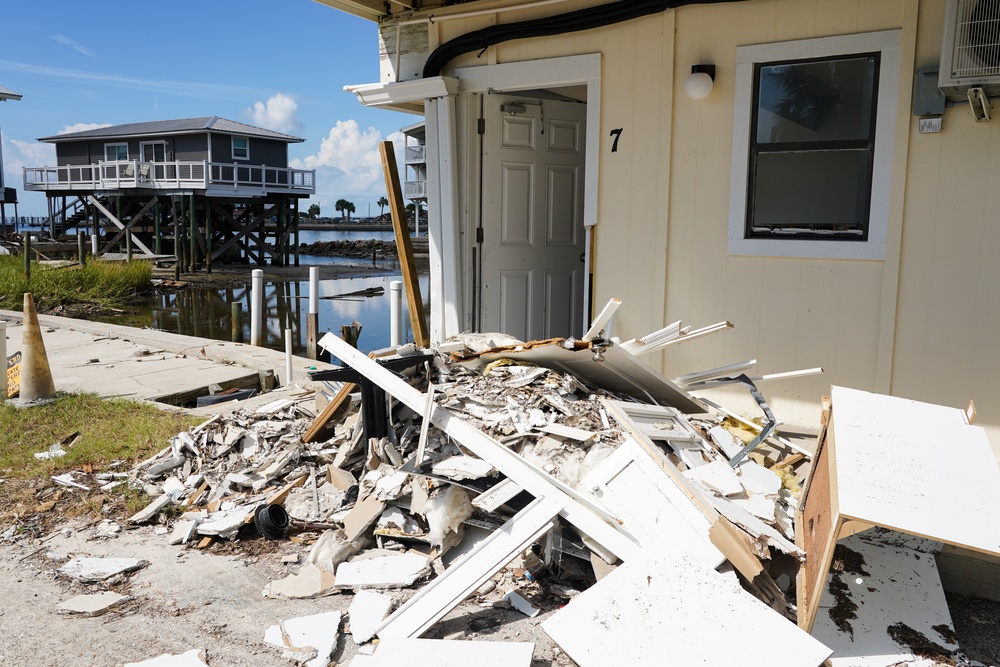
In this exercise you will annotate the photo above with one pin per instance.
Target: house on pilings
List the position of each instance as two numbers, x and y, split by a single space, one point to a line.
202 190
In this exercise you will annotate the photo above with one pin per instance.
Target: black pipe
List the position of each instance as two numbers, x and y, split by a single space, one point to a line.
584 19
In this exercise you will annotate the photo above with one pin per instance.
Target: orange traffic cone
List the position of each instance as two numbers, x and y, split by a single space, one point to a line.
36 378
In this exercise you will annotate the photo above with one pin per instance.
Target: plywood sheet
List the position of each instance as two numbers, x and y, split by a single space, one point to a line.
881 586
916 468
666 608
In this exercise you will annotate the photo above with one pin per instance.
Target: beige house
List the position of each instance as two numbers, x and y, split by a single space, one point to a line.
819 194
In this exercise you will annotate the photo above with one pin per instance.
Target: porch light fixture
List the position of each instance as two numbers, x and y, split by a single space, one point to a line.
699 84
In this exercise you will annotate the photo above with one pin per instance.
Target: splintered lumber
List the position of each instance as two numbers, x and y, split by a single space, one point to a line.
333 410
577 508
667 608
879 464
403 245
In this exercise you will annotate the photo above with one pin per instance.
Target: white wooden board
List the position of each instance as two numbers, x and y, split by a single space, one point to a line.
666 608
902 586
916 468
649 503
394 652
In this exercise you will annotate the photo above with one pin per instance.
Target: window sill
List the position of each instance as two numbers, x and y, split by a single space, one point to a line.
808 249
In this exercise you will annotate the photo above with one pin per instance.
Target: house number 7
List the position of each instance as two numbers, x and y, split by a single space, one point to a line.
616 133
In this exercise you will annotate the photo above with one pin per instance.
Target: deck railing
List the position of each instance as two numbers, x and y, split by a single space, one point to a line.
202 175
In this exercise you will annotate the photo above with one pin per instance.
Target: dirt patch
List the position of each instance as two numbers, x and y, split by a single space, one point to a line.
844 609
848 560
918 643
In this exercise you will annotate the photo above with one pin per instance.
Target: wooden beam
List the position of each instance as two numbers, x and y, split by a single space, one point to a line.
119 225
135 218
404 247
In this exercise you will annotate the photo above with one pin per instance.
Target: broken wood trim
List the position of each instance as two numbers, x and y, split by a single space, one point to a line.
460 580
602 319
577 508
404 246
319 425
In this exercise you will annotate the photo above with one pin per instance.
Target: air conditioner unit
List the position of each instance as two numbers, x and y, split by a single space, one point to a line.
970 50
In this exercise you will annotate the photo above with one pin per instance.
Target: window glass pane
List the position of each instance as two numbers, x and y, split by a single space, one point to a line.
829 100
814 190
239 147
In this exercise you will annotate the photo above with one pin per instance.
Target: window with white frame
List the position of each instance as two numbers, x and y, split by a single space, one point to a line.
241 148
813 136
116 152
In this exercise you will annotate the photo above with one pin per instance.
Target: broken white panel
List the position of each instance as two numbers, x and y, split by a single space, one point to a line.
758 479
367 611
649 504
760 506
885 444
395 651
91 605
196 657
150 510
385 571
224 524
494 498
517 601
462 467
182 532
717 476
753 525
309 582
443 594
726 441
899 591
667 608
306 639
90 570
563 431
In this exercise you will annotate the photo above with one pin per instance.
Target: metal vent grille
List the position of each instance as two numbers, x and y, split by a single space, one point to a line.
977 39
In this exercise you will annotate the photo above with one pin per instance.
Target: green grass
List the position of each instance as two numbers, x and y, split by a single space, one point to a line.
106 284
110 430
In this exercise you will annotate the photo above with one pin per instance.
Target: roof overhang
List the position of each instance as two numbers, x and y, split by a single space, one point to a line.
373 10
408 96
6 94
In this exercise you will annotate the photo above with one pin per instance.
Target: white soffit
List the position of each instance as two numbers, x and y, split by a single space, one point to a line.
915 467
405 96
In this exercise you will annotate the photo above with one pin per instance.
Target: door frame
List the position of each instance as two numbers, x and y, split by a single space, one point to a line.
511 78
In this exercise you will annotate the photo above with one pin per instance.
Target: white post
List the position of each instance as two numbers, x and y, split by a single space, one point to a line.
3 361
288 357
395 313
313 289
256 305
93 244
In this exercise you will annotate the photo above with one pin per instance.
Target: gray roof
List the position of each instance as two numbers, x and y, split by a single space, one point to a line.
8 94
180 126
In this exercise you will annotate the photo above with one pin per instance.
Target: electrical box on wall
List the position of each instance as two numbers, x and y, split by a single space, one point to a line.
928 100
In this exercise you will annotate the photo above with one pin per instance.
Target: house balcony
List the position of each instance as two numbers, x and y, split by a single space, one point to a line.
415 190
416 155
213 178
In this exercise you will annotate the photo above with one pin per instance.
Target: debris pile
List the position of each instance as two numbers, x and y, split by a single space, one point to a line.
563 473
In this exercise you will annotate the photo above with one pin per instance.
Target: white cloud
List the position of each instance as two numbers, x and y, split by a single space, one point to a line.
16 156
82 127
348 166
63 39
278 114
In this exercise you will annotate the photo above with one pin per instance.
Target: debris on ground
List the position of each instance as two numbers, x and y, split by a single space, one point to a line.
555 474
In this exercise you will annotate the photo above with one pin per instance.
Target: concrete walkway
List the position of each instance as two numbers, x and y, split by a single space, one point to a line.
143 364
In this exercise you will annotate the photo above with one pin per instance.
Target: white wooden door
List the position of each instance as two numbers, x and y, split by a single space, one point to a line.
532 242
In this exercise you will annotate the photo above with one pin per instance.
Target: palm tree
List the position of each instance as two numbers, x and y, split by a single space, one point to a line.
341 207
382 203
350 209
313 211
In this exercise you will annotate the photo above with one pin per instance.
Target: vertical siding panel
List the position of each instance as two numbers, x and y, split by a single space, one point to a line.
792 19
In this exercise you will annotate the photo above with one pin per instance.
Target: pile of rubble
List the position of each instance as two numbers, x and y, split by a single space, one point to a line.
532 475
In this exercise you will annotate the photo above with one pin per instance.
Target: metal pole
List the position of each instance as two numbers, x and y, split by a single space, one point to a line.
395 313
288 357
3 361
27 256
312 317
313 289
94 241
256 305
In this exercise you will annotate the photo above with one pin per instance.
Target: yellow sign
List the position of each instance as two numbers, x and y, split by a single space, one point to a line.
13 375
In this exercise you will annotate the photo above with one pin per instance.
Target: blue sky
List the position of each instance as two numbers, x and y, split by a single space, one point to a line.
278 64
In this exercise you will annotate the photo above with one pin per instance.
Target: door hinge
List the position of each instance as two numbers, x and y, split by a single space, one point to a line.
479 234
481 125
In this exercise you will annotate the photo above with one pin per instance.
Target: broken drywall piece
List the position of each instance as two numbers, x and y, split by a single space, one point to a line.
306 639
91 605
383 570
462 467
759 506
224 524
758 479
517 601
92 570
150 510
183 530
196 657
393 652
726 441
754 526
717 476
878 598
309 582
367 611
643 614
331 550
364 514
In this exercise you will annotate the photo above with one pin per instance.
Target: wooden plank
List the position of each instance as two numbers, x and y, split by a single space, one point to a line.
443 594
404 247
667 608
117 223
318 429
577 508
602 319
